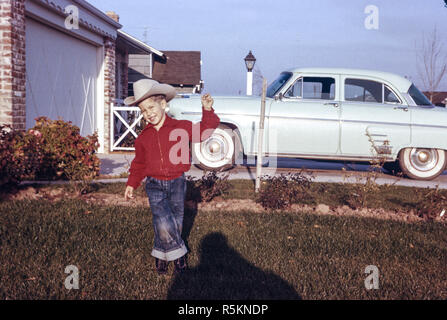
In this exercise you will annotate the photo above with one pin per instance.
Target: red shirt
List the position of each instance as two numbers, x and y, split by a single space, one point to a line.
165 154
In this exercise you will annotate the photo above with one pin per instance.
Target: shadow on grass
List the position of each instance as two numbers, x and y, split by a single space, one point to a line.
188 222
223 273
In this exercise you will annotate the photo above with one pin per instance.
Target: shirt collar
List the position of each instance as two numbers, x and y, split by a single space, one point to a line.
169 122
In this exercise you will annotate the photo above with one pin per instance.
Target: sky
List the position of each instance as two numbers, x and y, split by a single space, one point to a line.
285 34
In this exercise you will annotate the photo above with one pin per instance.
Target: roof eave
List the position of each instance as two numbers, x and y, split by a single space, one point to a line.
140 44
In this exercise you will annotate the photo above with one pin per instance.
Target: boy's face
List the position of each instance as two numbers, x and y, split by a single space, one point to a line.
153 110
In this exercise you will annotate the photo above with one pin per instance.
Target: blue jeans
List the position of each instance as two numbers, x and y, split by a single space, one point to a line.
166 199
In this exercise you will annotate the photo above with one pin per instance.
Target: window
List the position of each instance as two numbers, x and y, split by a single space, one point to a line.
369 91
363 90
419 98
390 97
295 91
318 88
312 88
130 89
276 85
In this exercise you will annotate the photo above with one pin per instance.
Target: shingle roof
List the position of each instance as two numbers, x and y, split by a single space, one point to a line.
438 96
182 67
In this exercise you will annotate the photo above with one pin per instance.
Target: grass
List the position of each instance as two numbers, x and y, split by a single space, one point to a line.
234 255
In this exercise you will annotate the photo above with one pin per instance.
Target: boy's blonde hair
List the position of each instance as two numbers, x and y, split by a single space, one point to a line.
158 97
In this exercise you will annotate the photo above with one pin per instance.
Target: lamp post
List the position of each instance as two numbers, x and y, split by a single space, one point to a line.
250 61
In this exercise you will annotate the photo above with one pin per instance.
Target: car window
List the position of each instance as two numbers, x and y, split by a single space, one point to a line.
276 85
295 91
363 90
419 98
390 96
318 88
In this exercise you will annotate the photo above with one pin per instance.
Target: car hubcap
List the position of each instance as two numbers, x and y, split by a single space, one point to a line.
215 148
423 159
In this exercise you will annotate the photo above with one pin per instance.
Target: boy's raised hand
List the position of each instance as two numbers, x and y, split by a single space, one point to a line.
207 101
128 194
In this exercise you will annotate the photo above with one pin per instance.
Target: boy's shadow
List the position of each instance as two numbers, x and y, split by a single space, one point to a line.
192 199
188 222
224 274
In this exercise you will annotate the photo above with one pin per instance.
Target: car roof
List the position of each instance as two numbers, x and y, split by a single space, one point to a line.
401 83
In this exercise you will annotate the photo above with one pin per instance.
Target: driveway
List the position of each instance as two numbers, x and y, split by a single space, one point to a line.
322 171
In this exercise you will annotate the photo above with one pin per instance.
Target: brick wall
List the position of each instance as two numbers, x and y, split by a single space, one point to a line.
12 63
109 88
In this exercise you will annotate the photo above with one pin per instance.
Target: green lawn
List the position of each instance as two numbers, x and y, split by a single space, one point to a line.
234 255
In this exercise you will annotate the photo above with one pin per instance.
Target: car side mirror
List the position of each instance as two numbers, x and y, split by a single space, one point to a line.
279 97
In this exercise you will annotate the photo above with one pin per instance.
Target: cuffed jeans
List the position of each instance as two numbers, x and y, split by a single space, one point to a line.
166 199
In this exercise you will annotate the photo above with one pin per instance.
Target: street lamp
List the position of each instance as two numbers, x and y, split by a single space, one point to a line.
250 61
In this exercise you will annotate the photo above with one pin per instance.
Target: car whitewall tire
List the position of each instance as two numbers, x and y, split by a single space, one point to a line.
422 164
216 152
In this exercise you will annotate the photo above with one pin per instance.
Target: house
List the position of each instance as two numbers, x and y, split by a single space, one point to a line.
141 60
63 58
439 98
181 69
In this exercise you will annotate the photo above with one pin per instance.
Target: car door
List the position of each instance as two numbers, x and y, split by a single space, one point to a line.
374 119
305 119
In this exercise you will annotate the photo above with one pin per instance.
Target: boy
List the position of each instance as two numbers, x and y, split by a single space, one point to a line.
156 159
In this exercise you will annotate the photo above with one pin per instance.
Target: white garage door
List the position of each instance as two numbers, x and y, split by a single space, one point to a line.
61 80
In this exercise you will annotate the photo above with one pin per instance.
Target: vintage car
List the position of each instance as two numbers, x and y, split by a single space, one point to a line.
327 113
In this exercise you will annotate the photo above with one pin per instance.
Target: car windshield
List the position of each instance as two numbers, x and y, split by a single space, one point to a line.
276 85
419 98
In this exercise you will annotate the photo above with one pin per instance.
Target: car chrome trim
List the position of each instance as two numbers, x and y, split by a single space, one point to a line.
428 126
321 119
220 114
298 118
377 122
324 157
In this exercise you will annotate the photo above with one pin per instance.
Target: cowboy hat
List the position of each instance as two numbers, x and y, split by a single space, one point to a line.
145 88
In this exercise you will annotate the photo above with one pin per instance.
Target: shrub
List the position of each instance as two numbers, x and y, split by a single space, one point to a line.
361 191
66 154
206 188
366 187
20 156
280 192
431 202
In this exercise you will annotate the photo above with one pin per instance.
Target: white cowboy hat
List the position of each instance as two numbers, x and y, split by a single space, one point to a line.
145 88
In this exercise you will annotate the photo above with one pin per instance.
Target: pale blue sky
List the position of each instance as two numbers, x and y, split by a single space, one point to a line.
284 34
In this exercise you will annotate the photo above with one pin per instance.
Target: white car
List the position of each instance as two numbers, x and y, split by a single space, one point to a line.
328 113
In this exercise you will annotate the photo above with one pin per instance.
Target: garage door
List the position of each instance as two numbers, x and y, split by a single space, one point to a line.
61 80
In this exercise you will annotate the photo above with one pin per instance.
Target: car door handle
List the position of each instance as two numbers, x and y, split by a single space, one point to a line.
401 108
334 104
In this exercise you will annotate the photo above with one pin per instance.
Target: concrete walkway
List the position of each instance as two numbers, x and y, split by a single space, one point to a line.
115 164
